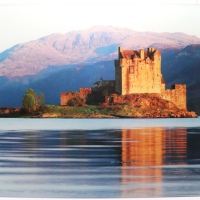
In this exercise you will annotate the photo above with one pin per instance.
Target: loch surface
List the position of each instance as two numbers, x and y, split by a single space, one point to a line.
99 158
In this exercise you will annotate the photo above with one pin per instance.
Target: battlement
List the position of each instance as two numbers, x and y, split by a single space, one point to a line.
177 95
138 54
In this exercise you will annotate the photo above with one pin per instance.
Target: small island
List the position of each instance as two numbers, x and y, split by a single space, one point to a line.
138 91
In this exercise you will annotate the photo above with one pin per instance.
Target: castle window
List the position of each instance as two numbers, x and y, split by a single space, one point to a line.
131 69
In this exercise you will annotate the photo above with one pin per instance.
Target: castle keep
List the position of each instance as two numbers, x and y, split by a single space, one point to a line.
137 72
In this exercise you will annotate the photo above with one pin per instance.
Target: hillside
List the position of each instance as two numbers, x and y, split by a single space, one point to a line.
84 46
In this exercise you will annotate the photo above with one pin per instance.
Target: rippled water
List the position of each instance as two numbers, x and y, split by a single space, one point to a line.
99 158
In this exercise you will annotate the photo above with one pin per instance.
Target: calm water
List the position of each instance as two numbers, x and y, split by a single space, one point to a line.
96 158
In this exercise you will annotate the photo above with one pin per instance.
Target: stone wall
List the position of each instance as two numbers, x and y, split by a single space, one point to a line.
83 92
177 95
66 96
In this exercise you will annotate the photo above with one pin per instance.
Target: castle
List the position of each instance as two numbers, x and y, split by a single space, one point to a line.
139 72
136 72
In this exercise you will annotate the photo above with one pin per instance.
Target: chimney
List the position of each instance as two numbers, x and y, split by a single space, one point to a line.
142 54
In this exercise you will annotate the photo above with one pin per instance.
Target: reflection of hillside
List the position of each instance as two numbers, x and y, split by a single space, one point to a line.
143 150
193 147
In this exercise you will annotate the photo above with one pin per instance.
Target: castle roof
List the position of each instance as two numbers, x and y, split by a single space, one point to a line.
129 54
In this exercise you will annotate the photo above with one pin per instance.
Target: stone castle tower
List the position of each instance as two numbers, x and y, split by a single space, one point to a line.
139 71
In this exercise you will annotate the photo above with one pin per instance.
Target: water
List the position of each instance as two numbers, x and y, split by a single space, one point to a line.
95 158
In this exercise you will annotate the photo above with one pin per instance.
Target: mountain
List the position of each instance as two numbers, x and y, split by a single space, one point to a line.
84 46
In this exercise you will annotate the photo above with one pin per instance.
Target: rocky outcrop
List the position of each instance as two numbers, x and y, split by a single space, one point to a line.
149 106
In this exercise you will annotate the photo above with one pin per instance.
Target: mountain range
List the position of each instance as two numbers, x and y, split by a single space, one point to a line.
63 62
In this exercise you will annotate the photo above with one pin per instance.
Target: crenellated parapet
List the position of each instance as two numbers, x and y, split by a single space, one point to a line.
66 96
177 95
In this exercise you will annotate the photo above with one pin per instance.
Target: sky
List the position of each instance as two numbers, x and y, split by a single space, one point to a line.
22 21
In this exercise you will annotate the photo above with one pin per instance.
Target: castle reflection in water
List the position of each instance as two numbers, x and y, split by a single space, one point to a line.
144 150
144 147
